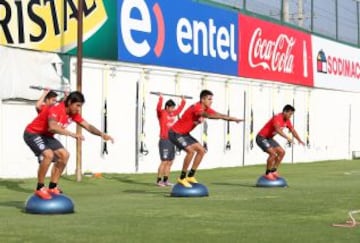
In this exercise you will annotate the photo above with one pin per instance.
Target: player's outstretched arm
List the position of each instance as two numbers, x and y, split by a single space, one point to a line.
223 117
55 128
93 130
296 135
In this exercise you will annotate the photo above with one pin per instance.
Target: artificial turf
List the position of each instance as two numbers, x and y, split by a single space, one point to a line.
130 208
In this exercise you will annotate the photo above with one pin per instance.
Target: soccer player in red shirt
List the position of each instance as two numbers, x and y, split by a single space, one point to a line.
167 118
266 142
39 136
179 134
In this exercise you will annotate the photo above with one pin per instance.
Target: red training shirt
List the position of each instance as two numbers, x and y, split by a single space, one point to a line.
167 119
40 125
268 131
191 118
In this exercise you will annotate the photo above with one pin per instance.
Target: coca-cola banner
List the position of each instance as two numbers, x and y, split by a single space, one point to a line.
273 52
337 66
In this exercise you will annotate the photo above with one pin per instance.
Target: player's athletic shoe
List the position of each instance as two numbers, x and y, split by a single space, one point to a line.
43 193
270 177
55 191
275 174
184 182
160 184
168 183
191 179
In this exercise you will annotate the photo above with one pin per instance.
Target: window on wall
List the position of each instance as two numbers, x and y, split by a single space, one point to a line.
232 3
300 13
271 8
347 21
325 17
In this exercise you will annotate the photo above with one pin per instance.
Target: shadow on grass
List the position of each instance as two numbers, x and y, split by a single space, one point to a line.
234 184
141 192
128 180
14 185
14 204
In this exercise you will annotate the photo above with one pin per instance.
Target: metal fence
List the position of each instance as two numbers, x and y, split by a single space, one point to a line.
336 19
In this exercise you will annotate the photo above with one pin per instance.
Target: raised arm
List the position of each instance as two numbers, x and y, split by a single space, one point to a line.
40 101
180 107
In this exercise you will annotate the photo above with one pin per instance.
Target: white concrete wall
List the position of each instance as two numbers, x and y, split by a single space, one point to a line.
329 121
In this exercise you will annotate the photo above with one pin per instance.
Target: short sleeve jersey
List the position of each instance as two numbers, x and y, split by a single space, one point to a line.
40 125
268 131
191 118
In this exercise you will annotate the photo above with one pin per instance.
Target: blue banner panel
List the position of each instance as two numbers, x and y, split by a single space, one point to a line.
178 33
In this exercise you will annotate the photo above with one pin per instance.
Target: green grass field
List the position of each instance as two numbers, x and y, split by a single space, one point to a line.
130 208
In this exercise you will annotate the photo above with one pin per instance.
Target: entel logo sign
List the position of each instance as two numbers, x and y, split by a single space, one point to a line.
216 41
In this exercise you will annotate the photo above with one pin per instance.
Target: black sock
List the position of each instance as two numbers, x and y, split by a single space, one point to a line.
191 173
267 172
273 170
158 179
182 175
165 178
52 185
39 186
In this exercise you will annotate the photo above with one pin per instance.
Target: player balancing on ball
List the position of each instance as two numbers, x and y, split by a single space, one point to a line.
39 136
179 134
266 142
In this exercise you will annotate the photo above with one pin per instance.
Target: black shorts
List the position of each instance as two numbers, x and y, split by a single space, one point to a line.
266 143
181 140
166 150
39 143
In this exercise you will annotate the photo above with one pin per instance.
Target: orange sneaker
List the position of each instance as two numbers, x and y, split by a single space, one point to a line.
55 191
270 177
275 174
43 193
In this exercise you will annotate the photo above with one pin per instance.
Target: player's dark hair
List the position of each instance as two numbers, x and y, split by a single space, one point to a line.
288 108
170 103
51 94
205 93
74 97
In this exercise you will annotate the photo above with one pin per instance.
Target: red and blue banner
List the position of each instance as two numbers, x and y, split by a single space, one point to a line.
178 33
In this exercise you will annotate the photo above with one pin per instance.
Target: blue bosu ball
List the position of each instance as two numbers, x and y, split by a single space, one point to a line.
197 190
58 204
263 182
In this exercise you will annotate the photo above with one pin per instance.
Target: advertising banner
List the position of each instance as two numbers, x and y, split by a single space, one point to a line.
273 52
178 33
52 26
336 66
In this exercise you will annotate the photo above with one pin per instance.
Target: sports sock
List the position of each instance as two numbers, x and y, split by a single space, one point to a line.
52 185
158 179
165 178
273 170
39 186
191 173
182 175
267 172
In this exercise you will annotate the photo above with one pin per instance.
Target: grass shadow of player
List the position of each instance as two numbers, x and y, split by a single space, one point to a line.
13 204
128 180
15 185
234 184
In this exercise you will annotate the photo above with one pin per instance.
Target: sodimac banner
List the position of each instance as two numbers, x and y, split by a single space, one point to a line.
52 26
337 66
270 51
178 33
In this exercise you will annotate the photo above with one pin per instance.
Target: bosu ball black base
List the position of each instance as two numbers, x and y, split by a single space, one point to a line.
58 204
197 190
263 182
